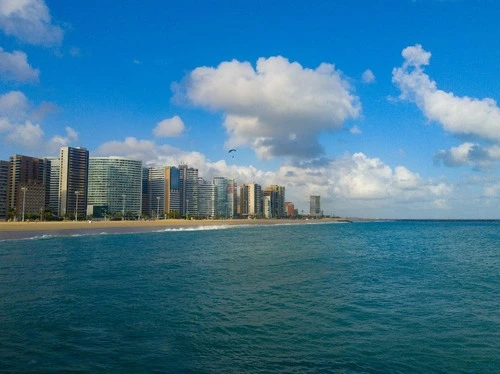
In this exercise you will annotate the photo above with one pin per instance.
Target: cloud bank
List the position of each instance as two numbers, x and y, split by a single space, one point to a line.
170 127
277 108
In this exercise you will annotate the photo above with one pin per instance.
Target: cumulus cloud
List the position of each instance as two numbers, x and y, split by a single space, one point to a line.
17 127
30 22
368 76
468 153
458 115
277 108
13 105
170 127
15 67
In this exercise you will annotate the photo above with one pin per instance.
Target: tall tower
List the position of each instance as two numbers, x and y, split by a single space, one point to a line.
26 185
251 200
4 172
189 190
73 181
315 206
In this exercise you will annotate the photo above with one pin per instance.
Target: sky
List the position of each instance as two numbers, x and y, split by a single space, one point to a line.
385 109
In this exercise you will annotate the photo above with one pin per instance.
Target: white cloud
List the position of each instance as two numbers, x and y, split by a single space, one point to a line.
458 115
30 22
14 67
492 190
468 153
368 76
170 127
26 135
277 109
59 141
13 105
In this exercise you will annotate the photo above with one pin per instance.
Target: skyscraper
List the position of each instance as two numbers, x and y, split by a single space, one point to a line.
52 184
207 198
4 172
277 200
251 200
26 185
315 206
116 184
73 181
189 190
164 192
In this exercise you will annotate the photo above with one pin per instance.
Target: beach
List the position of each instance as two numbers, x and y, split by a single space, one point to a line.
51 226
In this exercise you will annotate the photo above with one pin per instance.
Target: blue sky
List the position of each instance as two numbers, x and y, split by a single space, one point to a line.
383 108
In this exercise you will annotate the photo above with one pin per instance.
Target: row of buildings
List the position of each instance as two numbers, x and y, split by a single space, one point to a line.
75 186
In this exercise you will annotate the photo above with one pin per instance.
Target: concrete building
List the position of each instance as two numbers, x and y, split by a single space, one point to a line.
207 198
290 209
277 197
73 181
164 193
26 174
4 173
52 184
226 197
251 200
315 206
189 190
116 184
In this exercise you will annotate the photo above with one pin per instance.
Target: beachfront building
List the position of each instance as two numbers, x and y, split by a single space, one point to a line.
4 172
188 180
73 181
53 165
207 198
315 206
290 209
251 200
164 192
26 174
226 197
115 186
277 200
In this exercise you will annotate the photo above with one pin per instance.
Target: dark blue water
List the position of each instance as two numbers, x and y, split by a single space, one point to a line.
382 297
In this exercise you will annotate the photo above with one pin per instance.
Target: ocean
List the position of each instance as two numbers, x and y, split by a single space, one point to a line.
363 297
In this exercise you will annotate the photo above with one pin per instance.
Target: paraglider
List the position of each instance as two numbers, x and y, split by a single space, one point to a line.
231 151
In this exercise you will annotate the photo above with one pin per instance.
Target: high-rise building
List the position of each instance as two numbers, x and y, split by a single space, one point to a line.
207 198
115 184
52 184
251 200
26 185
164 191
315 206
4 172
146 208
277 203
73 181
189 190
225 206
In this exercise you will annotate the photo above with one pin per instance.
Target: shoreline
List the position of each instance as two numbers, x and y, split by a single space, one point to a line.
16 229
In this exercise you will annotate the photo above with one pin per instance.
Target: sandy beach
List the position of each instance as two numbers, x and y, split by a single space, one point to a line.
124 226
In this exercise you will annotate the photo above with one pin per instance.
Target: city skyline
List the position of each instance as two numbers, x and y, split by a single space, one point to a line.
385 110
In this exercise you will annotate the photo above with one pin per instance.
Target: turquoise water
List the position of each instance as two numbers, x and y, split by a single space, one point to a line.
380 297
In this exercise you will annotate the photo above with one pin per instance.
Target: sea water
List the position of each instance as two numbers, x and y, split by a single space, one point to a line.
373 297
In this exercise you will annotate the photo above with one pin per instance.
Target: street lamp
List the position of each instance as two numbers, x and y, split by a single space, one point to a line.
123 207
76 206
24 189
158 207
